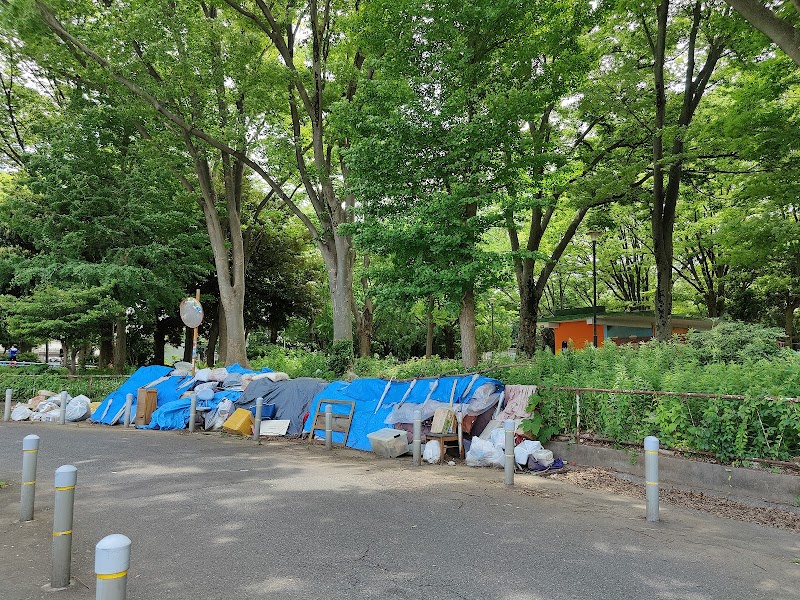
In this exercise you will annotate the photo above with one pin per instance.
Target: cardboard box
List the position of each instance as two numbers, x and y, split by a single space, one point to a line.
444 421
146 403
241 422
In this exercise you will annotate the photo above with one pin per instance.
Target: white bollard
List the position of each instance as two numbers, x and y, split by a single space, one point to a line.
192 412
30 453
328 427
128 405
651 476
417 444
7 409
66 478
257 422
112 559
62 417
508 425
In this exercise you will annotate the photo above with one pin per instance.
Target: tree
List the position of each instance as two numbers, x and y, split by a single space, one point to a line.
778 21
225 79
96 212
72 315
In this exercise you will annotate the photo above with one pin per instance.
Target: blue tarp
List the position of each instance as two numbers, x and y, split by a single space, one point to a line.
172 411
175 413
367 394
111 409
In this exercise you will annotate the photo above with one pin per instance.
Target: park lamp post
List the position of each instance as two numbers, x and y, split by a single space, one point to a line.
594 235
491 306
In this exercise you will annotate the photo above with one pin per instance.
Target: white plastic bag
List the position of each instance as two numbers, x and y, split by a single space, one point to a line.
543 457
524 450
484 454
498 438
21 413
78 408
202 374
216 419
432 451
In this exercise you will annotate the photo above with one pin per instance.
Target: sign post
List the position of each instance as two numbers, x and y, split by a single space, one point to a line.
192 315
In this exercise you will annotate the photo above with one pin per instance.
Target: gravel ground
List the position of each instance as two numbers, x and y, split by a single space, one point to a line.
605 480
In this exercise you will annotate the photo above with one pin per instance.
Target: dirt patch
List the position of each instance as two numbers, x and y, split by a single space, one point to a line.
601 479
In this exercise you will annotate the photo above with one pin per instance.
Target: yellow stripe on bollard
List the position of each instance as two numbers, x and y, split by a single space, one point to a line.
58 533
29 482
34 450
651 451
65 488
112 575
652 483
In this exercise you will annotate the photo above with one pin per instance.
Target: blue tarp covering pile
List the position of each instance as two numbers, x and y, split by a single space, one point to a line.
367 393
172 411
111 409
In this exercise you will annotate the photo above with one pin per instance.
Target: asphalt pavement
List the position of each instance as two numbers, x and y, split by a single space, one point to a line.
220 518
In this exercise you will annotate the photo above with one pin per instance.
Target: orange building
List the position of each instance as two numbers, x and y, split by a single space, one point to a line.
576 329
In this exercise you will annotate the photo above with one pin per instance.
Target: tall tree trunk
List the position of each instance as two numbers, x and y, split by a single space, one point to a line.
429 334
213 336
223 336
120 345
668 169
449 341
273 332
466 322
339 264
528 316
107 347
159 340
68 357
365 316
792 305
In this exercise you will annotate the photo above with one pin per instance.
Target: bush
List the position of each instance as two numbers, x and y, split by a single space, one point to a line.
340 357
735 343
23 357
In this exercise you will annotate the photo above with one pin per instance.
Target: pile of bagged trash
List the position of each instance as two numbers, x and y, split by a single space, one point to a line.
528 454
46 407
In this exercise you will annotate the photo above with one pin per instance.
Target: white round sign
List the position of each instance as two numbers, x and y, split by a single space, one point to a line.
191 312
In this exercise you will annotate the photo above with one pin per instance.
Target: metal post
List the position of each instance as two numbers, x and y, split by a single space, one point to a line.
417 444
66 477
7 410
577 418
594 290
62 418
30 452
194 339
651 476
328 427
508 425
192 412
257 423
128 405
112 559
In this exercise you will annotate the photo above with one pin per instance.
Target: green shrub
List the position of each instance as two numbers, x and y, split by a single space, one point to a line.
27 383
340 357
735 342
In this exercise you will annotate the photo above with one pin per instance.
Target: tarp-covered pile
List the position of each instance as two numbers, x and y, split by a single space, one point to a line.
233 386
379 403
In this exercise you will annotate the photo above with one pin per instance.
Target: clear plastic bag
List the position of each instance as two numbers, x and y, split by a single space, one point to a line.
21 413
524 450
432 451
484 454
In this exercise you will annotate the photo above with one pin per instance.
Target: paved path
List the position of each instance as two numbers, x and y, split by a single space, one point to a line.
219 518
